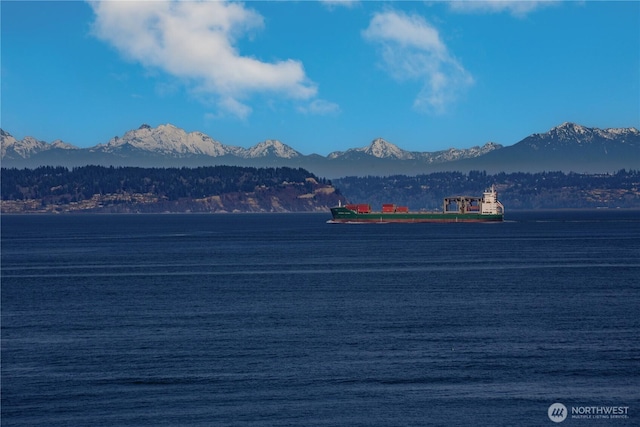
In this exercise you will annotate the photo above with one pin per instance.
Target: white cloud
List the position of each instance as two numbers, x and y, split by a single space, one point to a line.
195 41
234 107
320 107
339 3
412 49
515 7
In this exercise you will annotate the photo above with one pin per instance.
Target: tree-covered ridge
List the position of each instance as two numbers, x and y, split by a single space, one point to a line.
545 190
282 189
218 188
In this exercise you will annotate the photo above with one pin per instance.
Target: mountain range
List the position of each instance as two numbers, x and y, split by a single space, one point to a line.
568 147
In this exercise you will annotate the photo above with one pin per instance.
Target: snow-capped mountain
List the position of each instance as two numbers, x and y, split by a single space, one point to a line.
570 148
567 147
12 148
168 140
378 148
175 142
569 134
382 149
270 147
453 154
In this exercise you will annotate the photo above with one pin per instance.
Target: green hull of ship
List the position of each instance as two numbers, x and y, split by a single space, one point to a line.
344 215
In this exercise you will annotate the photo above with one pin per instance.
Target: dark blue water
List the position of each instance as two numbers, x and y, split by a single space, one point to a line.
272 320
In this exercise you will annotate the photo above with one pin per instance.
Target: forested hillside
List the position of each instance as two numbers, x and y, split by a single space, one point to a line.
546 190
130 189
245 189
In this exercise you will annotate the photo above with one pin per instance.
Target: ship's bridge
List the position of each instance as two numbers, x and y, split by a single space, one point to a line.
490 203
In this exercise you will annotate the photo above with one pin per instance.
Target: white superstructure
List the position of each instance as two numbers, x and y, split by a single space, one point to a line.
490 204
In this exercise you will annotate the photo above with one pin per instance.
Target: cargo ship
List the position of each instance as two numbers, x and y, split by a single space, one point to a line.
455 209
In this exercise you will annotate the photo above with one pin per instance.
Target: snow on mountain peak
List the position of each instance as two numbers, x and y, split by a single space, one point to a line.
379 148
63 145
570 127
28 146
271 147
574 133
7 140
384 149
171 140
167 139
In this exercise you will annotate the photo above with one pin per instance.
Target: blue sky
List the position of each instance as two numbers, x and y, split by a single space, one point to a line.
319 76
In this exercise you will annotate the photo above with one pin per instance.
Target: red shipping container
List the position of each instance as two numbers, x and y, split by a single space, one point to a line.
388 207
